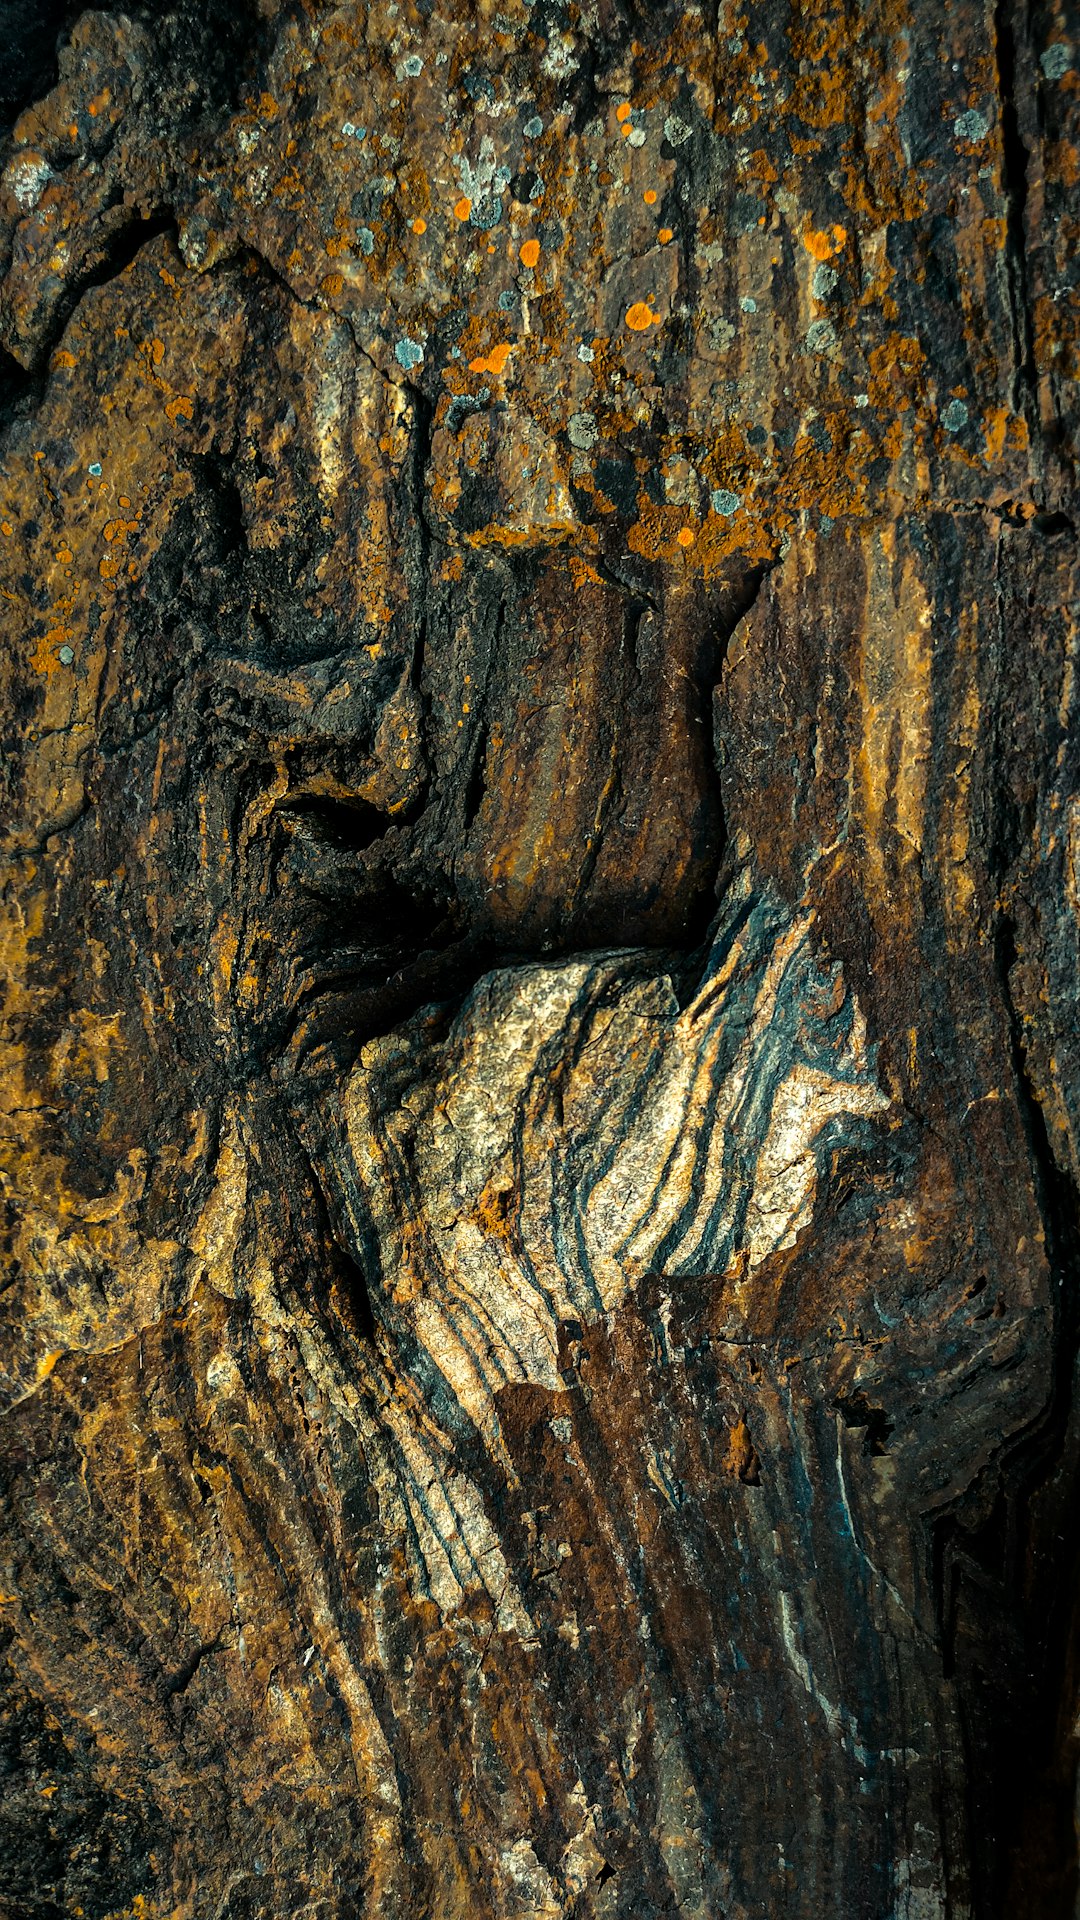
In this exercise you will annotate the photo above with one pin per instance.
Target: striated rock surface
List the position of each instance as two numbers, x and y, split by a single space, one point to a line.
539 936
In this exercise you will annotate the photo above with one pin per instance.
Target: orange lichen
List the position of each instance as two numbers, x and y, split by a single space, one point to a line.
822 245
665 234
622 112
494 535
640 317
494 361
45 658
649 197
462 207
529 253
741 1460
583 573
685 536
996 422
118 530
1062 162
894 367
419 226
655 536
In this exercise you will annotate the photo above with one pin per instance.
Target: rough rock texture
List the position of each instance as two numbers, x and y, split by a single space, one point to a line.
541 1082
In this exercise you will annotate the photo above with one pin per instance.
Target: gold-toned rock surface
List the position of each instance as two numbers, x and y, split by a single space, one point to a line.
540 1088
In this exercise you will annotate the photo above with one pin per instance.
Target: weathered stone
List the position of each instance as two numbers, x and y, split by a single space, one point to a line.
541 1087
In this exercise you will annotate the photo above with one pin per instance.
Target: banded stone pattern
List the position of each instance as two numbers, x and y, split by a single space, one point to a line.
522 1164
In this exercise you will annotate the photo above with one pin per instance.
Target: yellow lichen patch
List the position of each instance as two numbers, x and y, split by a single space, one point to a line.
640 316
822 244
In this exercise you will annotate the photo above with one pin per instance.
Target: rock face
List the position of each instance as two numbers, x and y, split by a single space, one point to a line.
541 1079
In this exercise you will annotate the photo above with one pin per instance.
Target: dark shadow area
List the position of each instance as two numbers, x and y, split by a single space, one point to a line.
211 48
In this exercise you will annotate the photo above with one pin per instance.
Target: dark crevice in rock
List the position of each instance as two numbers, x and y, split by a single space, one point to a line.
858 1413
637 596
359 999
180 1681
1049 525
354 1287
1040 1583
1015 161
350 825
476 781
744 597
20 390
1006 1589
227 503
